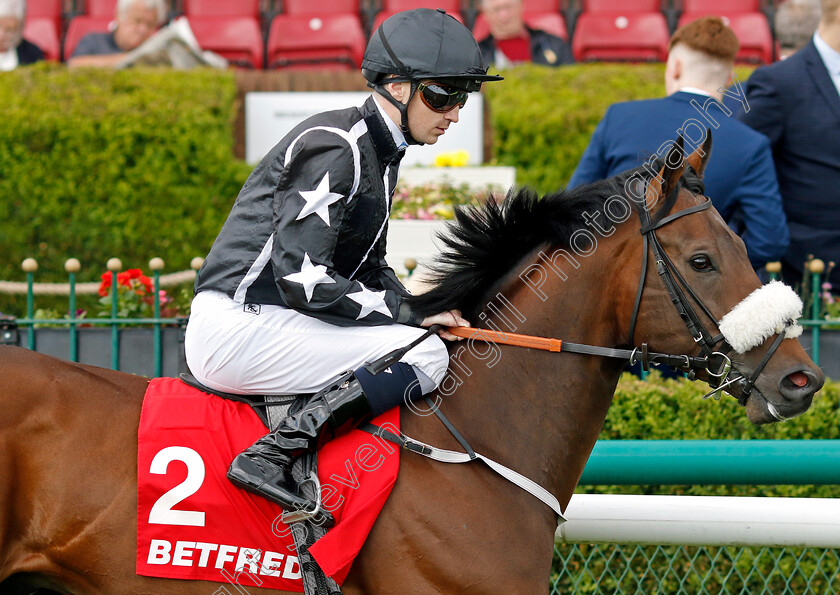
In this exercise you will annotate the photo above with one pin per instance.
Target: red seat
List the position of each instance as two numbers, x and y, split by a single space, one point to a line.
381 16
44 9
308 7
621 5
222 8
81 26
619 36
100 8
43 26
542 5
44 34
752 30
238 39
550 22
721 6
333 41
400 5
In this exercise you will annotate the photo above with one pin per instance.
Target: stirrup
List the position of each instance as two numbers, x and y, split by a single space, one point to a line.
294 516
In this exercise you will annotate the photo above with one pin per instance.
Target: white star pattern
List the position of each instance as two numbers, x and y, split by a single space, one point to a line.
318 201
370 301
310 276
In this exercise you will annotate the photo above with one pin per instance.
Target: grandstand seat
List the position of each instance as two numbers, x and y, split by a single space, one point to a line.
622 6
322 7
230 29
398 5
333 41
44 9
721 6
238 39
751 28
221 8
44 34
43 26
622 36
391 7
550 22
100 8
542 5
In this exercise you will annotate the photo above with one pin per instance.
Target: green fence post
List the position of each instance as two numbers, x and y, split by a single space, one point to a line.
114 265
773 269
72 266
156 265
29 266
816 267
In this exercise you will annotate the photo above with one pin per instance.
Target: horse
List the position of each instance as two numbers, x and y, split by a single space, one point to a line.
571 267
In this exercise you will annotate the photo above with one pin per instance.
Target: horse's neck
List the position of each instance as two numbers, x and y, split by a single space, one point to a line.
536 411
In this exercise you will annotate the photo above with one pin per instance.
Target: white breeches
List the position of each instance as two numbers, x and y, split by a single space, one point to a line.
281 351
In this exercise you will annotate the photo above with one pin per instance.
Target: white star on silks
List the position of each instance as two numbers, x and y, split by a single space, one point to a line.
370 301
318 201
310 276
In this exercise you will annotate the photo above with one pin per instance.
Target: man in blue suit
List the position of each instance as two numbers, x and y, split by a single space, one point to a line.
740 177
796 104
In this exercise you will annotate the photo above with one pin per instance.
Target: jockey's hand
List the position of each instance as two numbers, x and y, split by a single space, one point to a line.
446 319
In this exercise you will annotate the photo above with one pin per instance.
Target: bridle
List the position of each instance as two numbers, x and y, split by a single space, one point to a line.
714 349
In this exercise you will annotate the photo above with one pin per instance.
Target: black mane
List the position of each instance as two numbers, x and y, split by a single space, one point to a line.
484 242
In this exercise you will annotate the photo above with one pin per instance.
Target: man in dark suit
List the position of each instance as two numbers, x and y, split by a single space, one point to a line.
739 178
796 104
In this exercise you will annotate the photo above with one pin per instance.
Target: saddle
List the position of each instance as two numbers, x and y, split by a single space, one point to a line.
271 409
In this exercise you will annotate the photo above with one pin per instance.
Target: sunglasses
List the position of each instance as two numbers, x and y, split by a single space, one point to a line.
441 98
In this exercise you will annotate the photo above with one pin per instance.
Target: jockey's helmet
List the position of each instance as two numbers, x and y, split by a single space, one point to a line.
423 44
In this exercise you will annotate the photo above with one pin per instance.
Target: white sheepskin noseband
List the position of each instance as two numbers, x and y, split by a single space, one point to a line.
767 311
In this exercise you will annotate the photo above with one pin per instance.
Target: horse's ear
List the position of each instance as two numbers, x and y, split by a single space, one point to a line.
668 177
700 157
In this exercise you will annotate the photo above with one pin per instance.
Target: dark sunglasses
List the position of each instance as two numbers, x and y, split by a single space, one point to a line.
441 98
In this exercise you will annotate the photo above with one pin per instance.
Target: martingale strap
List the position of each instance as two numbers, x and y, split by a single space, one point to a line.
450 456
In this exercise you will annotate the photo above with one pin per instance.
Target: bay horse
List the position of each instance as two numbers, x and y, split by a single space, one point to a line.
568 266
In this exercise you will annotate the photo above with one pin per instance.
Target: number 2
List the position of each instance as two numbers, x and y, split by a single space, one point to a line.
162 513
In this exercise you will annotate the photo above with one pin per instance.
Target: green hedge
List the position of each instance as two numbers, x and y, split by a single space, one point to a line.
95 164
542 118
139 163
657 409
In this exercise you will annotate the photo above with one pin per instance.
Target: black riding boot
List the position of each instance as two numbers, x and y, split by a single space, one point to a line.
265 467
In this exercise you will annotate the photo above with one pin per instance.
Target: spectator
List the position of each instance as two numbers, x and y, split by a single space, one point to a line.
511 41
794 24
739 178
136 21
14 49
796 104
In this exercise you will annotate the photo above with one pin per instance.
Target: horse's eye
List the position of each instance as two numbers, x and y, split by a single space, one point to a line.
701 263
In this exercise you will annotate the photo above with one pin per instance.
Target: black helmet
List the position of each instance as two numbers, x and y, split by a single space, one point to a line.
425 44
422 44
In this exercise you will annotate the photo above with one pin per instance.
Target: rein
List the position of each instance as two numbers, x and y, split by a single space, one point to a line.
640 354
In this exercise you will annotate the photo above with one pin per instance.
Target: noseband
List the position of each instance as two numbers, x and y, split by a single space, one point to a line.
714 349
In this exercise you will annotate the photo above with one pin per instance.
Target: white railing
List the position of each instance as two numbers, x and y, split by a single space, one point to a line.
701 520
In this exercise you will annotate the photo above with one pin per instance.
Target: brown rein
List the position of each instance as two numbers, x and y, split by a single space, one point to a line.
542 343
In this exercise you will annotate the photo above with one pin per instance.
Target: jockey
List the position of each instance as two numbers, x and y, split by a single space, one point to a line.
295 291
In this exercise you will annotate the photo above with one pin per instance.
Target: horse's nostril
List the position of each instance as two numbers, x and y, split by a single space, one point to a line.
799 379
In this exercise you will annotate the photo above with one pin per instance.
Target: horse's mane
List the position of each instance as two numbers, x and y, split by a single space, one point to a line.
484 242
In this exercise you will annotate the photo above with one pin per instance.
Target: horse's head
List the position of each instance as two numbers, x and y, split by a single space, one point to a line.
700 296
